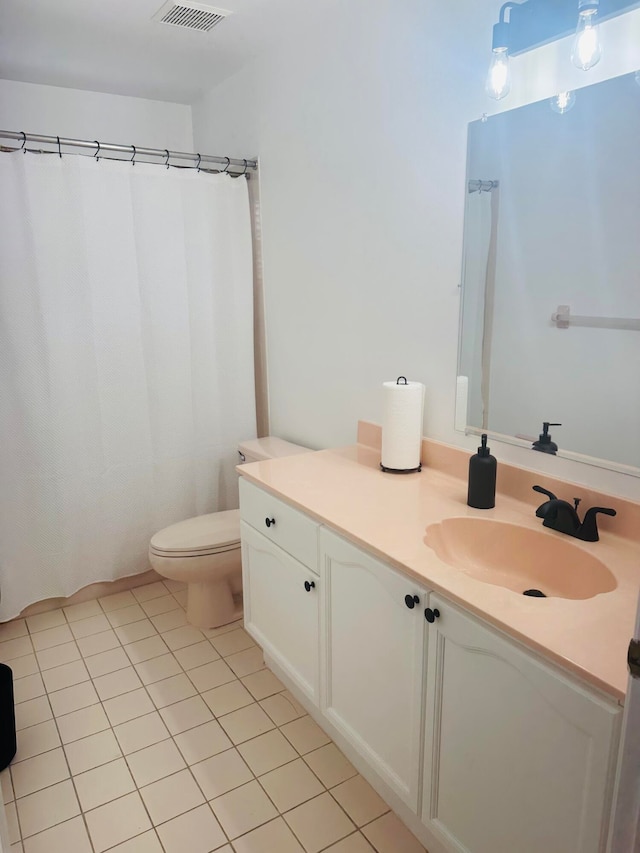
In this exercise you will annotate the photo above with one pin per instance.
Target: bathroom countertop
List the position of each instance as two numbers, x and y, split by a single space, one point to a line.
387 515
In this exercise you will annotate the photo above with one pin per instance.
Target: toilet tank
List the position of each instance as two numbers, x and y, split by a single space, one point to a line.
269 447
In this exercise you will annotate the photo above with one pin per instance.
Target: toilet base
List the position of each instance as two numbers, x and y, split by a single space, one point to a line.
212 604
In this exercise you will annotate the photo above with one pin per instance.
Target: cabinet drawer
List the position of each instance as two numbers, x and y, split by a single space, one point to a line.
292 530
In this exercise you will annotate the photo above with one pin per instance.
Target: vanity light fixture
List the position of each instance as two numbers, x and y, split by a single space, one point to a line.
498 83
586 45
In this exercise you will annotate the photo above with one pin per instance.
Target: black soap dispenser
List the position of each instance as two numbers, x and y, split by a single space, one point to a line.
544 443
482 478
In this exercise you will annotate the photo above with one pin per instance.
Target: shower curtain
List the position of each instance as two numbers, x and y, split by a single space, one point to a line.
126 363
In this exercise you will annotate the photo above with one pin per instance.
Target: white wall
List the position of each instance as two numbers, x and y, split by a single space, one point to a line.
361 131
53 111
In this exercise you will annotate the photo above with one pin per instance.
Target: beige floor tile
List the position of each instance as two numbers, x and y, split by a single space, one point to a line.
92 751
243 809
246 662
47 808
305 735
273 837
37 739
32 712
83 723
202 742
127 707
330 765
211 675
171 796
24 665
13 826
73 698
29 687
85 610
227 698
141 732
155 762
7 786
171 619
221 773
263 684
116 683
70 837
149 591
179 638
126 615
182 597
44 621
11 649
389 835
162 604
186 715
106 662
65 676
246 723
97 643
171 690
196 831
197 655
291 785
355 843
51 637
146 843
135 631
117 821
232 642
88 627
319 822
58 655
117 601
103 784
266 752
142 650
156 669
13 629
39 772
173 586
359 800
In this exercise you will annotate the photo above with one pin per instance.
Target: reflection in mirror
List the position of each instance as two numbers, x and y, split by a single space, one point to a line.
550 327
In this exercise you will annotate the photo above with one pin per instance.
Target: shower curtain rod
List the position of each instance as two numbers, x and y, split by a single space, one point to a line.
99 147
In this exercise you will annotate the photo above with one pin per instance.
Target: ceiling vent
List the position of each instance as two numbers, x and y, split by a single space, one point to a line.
193 16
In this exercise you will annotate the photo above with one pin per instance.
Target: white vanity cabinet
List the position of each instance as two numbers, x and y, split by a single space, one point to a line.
281 592
373 641
517 757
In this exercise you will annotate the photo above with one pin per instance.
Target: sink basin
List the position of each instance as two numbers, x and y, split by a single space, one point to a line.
519 558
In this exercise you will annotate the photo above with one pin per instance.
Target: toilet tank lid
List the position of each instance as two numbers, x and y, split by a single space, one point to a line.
200 533
269 447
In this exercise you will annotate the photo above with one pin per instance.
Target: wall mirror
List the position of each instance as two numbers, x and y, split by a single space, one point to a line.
550 322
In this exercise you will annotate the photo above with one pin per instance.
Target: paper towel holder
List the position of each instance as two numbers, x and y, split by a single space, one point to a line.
401 470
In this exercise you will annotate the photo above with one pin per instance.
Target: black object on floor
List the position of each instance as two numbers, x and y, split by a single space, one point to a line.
8 743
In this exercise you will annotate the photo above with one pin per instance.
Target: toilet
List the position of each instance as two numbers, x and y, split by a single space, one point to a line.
204 552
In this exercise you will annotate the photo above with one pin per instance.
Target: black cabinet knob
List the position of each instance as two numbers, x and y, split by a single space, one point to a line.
431 615
309 585
270 521
411 601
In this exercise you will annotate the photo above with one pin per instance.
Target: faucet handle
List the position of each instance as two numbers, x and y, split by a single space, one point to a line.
588 531
546 492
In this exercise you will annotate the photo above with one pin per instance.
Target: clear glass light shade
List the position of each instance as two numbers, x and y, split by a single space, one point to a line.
499 77
562 102
586 44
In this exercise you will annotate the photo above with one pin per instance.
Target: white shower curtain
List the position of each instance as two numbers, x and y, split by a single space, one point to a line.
126 363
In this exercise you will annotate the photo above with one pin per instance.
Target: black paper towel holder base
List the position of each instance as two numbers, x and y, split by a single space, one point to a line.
401 470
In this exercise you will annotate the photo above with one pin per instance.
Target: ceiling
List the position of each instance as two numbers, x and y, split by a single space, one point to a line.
114 45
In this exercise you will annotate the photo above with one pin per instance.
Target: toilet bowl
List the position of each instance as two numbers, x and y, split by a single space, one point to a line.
204 552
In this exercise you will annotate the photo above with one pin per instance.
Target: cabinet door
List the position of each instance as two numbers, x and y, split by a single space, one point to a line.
517 757
281 608
373 655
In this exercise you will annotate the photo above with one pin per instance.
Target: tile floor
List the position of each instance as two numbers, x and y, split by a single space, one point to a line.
138 733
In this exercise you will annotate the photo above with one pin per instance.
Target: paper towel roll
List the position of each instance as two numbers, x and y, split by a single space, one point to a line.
402 424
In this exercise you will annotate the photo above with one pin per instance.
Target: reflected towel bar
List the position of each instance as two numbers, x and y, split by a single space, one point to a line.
563 318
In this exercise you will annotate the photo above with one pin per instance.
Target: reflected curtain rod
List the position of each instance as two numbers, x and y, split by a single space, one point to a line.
99 147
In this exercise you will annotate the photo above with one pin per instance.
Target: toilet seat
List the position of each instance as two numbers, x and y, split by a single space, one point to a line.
201 536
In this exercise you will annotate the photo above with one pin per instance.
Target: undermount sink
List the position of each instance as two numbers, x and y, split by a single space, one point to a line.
519 558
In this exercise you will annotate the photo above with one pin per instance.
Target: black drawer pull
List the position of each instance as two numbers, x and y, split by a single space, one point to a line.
309 585
431 615
270 521
411 601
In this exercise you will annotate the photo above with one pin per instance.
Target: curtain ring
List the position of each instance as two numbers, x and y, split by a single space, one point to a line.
59 151
199 159
166 162
245 168
226 168
133 157
97 150
24 140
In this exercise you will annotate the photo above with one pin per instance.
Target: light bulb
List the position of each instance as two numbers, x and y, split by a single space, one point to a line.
586 45
562 102
499 77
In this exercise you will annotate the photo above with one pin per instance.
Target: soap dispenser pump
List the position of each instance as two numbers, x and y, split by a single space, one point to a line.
544 443
482 478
